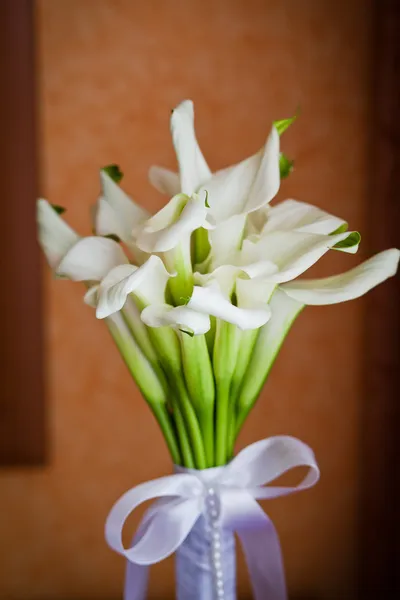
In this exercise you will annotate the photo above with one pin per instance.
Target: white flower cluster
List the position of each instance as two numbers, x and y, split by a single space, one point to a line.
217 259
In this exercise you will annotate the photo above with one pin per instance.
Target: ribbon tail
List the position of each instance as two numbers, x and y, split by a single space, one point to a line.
136 581
263 554
137 576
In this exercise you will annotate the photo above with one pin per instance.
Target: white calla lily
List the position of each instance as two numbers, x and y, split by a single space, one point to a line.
117 214
347 286
173 224
290 215
211 300
55 236
247 186
225 240
165 181
239 189
148 282
193 169
292 251
169 232
126 213
181 318
91 258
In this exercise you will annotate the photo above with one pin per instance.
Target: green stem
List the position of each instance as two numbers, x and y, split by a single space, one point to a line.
247 342
186 451
138 329
200 384
210 335
191 422
139 332
231 430
269 341
152 389
167 345
222 415
163 417
226 348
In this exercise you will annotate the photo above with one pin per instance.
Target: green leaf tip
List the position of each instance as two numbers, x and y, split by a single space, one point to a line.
187 331
353 239
206 199
341 229
285 165
114 172
284 124
59 209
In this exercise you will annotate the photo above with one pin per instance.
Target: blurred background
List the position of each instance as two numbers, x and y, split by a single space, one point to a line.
94 82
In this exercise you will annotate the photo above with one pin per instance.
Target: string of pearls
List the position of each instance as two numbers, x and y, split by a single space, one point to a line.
213 513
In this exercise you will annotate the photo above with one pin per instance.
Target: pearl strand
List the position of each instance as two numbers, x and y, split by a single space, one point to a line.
212 503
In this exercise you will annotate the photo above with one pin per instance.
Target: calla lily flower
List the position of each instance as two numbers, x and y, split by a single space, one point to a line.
169 232
148 284
233 192
116 214
55 235
291 215
236 190
91 259
347 286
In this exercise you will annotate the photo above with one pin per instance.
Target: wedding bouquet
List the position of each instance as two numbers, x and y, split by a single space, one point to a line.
199 298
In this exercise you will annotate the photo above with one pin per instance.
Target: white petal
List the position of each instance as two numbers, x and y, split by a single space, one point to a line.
227 276
291 214
211 301
292 251
222 278
128 213
171 224
267 181
148 282
179 317
256 221
225 240
347 286
253 293
248 185
91 296
91 258
193 168
55 236
165 181
106 221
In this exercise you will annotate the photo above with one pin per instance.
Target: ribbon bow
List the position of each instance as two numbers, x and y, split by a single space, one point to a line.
182 499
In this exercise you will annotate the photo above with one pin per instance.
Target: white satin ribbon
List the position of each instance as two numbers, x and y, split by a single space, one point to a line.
181 501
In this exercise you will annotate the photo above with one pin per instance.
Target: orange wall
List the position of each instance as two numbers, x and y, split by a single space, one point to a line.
110 71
